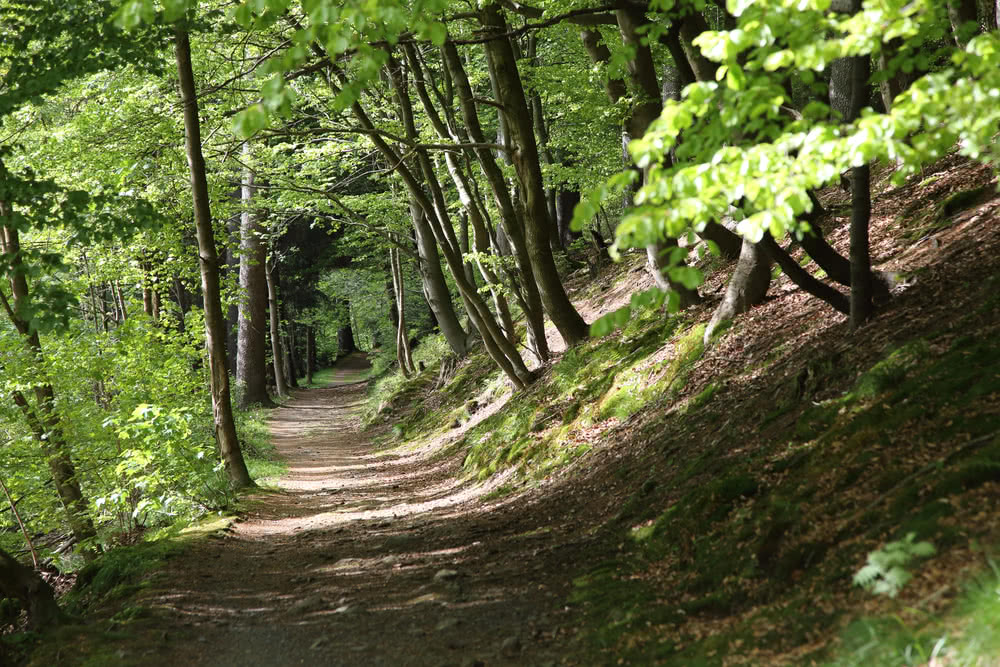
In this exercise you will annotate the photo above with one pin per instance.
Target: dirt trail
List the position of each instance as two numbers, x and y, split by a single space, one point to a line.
368 559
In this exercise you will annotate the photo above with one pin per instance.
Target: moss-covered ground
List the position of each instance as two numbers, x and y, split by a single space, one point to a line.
756 476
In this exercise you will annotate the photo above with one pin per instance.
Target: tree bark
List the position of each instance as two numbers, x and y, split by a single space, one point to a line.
645 109
963 14
20 582
42 419
747 286
511 228
803 278
435 287
233 273
208 259
310 353
251 360
435 207
277 357
291 354
862 305
501 61
403 355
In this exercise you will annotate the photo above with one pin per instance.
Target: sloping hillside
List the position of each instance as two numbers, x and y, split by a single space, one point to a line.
719 501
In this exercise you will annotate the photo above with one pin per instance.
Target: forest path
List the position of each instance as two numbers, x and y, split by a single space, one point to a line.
364 558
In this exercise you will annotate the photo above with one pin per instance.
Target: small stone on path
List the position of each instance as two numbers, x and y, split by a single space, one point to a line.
305 605
447 624
510 647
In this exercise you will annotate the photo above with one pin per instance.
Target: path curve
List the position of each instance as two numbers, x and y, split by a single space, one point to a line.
365 559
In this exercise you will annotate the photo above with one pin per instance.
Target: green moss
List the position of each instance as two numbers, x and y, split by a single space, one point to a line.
890 372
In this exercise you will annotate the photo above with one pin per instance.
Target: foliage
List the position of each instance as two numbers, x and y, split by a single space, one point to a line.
777 159
885 572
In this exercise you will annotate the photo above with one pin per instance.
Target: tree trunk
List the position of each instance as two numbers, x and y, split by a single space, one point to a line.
805 280
895 82
510 234
435 206
747 286
291 354
964 17
556 237
861 202
233 273
215 328
277 357
501 61
403 354
434 285
310 353
463 242
692 25
645 110
251 360
20 582
42 419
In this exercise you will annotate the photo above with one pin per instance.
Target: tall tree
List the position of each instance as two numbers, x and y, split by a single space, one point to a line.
512 100
208 260
277 355
42 417
251 361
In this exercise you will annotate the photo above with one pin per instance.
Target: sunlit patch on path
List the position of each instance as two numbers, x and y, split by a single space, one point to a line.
362 558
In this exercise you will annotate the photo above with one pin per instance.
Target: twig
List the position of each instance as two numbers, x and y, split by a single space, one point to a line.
24 531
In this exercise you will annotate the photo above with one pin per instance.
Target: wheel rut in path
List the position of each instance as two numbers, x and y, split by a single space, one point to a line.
364 558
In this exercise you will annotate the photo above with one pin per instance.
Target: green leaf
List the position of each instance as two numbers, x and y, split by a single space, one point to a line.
688 276
250 121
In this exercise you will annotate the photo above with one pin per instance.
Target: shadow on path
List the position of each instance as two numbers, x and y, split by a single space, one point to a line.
366 558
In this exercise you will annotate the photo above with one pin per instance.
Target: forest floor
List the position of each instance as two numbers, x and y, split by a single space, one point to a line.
359 558
647 500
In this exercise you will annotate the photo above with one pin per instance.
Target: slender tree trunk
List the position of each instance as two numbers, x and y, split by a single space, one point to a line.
156 304
251 361
464 245
291 354
233 277
805 280
403 355
120 299
434 285
215 328
499 348
276 354
42 419
310 353
502 64
556 240
644 111
861 205
511 227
